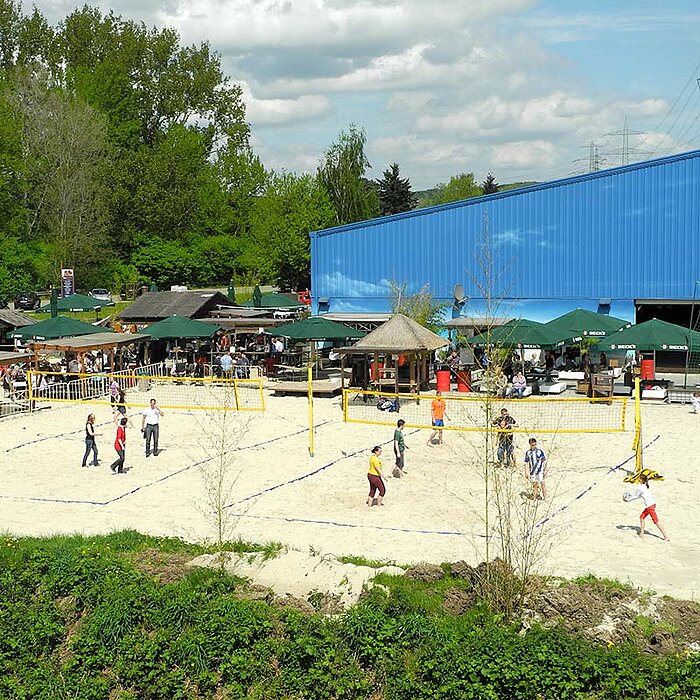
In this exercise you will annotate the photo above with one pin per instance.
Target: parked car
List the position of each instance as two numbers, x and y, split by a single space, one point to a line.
28 301
101 294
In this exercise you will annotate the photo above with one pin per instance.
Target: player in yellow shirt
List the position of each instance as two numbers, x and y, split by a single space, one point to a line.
374 476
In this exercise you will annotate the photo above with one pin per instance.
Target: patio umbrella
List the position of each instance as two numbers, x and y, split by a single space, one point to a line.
652 336
317 328
53 304
578 324
52 328
518 332
257 297
231 291
180 327
78 302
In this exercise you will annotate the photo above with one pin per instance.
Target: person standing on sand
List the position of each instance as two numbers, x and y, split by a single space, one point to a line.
536 470
399 447
114 393
505 452
437 411
644 492
150 426
117 466
90 445
374 476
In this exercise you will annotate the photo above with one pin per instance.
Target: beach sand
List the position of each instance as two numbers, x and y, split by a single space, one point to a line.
277 492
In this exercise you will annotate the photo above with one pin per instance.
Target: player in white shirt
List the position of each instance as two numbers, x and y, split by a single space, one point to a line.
150 419
644 492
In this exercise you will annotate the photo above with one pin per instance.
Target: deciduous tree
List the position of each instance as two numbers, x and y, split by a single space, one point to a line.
341 174
459 187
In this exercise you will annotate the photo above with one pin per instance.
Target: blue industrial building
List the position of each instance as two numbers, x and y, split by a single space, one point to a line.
624 241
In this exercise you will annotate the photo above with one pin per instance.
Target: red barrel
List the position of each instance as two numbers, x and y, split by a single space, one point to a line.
464 380
374 370
647 367
443 379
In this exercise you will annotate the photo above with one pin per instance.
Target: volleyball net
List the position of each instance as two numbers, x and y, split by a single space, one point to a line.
186 393
478 413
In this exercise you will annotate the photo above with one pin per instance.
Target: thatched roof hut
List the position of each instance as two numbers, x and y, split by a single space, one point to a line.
403 341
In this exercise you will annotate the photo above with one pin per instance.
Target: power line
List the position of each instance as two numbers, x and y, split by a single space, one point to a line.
625 151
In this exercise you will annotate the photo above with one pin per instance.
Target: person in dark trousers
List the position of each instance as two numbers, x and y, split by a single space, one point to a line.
374 475
399 448
150 419
117 466
90 445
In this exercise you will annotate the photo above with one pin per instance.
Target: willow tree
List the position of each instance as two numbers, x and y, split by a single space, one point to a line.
342 176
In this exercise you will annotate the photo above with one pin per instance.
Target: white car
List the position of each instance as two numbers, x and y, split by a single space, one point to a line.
101 294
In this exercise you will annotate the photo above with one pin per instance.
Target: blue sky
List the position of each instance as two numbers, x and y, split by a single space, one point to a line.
515 87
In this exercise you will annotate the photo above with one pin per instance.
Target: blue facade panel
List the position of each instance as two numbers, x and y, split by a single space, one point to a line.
622 234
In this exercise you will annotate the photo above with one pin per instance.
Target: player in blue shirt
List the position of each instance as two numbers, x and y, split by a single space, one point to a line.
536 470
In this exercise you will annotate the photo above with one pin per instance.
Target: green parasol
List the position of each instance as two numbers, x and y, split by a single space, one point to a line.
180 327
578 324
52 328
520 332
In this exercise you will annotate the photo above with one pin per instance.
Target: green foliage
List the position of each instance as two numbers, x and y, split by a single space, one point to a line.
459 187
78 619
419 306
363 561
278 246
395 195
341 174
489 185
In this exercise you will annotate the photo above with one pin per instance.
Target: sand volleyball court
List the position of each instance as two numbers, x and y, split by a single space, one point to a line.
277 492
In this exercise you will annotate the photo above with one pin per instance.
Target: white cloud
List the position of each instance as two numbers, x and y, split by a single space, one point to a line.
289 111
523 153
441 86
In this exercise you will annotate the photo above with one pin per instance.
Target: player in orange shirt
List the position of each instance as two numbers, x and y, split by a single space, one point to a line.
437 410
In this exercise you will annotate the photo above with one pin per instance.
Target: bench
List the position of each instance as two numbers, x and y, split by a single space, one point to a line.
571 376
553 388
680 395
657 393
322 387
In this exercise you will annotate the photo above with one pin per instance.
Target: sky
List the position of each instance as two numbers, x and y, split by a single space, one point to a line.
518 88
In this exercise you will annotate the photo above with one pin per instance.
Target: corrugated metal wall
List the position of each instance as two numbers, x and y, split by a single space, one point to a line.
621 234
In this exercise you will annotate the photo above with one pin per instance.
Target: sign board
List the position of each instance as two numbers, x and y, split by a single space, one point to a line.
67 282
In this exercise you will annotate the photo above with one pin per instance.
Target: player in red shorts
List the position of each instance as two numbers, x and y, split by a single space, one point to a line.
644 492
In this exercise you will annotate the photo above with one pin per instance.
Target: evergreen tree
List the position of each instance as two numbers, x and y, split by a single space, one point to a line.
489 185
395 193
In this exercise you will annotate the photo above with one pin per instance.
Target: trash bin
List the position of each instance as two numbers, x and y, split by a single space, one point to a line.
144 384
443 379
464 380
375 374
647 369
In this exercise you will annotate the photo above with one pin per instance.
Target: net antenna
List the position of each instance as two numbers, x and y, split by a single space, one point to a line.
459 297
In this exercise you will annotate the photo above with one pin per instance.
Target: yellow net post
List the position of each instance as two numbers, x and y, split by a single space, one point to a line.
637 444
309 379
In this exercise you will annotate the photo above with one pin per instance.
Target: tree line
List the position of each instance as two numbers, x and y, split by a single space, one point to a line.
126 156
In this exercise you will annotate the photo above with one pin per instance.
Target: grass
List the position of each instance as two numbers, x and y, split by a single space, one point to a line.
609 584
88 316
363 561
